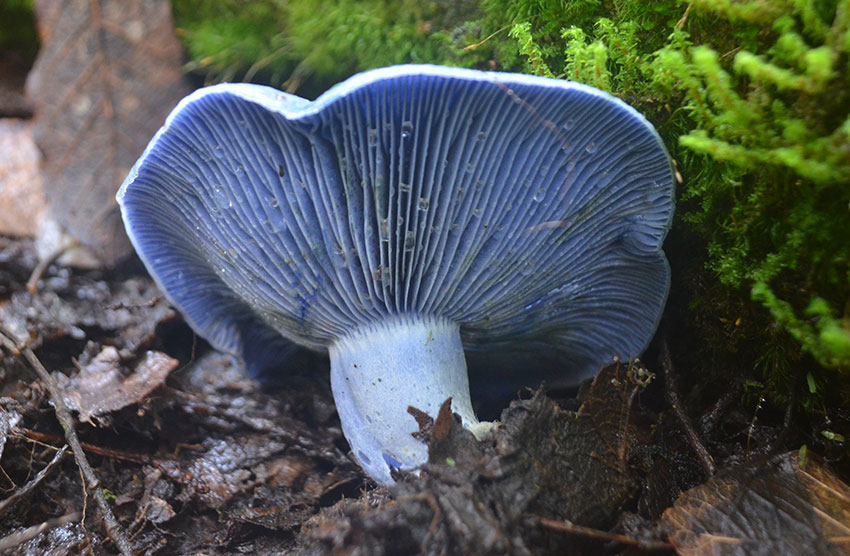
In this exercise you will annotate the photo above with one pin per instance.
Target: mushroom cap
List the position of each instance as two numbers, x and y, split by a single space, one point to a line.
529 211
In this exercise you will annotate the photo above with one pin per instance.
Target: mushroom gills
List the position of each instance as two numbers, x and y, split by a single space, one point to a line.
380 370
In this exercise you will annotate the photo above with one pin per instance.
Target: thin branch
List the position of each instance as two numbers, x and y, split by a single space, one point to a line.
63 414
23 491
41 267
684 19
671 393
487 38
590 533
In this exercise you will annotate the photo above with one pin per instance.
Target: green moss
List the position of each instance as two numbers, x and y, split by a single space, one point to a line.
233 39
309 45
341 37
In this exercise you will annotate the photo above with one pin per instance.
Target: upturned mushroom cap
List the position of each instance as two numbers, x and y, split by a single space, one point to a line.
406 214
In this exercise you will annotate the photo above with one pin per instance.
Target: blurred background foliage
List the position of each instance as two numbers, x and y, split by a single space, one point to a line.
17 28
751 97
307 46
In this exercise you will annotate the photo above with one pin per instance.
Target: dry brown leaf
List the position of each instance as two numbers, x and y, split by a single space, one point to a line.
159 511
22 200
106 77
101 387
770 507
608 406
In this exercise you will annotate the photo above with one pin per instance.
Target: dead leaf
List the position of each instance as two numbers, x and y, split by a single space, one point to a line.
159 511
101 387
608 406
22 200
773 506
107 75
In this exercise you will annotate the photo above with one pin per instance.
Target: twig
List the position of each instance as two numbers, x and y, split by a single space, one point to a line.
20 537
672 395
684 18
485 39
92 483
23 491
41 267
752 426
46 439
590 533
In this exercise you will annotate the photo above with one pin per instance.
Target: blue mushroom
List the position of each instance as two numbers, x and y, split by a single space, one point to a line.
406 215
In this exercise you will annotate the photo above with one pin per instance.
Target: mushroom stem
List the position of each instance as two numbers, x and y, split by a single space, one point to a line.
380 370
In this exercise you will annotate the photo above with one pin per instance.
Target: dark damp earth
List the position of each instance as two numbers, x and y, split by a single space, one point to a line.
192 457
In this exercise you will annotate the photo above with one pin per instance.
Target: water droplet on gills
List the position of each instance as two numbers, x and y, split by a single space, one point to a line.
385 230
539 195
591 147
423 204
218 152
222 197
406 129
372 136
409 240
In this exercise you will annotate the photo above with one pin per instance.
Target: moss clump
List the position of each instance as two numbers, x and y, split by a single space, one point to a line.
773 117
233 39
